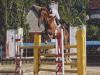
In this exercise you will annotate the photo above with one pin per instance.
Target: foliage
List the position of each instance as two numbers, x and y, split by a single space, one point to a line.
12 15
73 11
93 32
2 22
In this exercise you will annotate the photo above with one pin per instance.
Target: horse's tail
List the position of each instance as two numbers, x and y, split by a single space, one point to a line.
41 13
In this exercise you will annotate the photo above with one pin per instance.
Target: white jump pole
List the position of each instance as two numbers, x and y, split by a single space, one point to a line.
59 53
62 47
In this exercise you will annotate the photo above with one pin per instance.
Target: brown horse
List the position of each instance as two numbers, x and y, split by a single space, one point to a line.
51 25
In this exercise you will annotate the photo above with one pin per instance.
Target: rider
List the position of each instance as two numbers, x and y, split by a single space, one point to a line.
53 8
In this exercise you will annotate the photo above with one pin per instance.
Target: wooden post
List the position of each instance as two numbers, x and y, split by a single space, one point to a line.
81 52
37 41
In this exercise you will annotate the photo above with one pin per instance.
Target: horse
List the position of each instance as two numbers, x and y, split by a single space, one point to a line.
51 25
49 22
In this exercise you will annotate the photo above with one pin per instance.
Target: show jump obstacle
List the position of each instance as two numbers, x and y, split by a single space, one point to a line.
81 53
59 52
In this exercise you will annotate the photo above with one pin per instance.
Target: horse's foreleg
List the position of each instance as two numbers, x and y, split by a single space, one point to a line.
50 36
45 38
68 59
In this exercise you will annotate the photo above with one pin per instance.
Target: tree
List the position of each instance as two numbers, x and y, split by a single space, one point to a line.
2 22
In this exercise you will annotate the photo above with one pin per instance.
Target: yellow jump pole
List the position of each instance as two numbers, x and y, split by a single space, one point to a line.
81 51
37 41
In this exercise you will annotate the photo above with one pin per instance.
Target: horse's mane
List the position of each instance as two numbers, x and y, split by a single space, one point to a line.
38 9
45 11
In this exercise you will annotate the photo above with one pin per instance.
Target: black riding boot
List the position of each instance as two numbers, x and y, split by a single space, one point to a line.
57 21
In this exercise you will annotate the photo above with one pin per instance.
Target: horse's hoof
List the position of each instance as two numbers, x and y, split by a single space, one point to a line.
68 60
46 42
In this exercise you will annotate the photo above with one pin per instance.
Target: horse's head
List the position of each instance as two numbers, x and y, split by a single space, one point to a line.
43 16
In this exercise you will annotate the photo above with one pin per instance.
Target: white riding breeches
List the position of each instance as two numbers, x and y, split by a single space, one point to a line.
55 13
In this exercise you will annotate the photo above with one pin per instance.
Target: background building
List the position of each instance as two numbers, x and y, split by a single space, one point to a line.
93 52
94 11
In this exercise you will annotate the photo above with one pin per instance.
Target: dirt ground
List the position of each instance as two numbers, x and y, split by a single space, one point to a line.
28 68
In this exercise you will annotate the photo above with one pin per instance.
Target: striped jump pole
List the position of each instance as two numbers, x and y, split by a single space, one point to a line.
59 52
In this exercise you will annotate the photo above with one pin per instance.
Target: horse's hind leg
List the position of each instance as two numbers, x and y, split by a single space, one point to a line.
66 42
67 57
